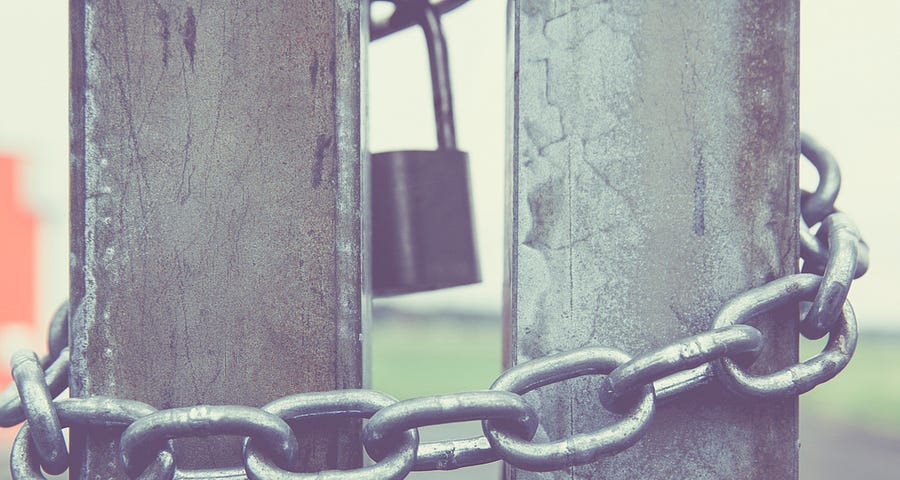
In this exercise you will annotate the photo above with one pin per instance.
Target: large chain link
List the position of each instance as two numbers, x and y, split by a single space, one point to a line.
833 255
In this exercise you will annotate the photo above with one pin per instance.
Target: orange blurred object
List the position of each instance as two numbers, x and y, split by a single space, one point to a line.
17 256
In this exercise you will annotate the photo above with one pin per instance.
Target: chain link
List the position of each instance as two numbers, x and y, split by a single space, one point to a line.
833 255
580 448
443 409
840 269
800 377
398 459
42 419
621 388
102 413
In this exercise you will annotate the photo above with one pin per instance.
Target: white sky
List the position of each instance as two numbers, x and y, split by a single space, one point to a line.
850 69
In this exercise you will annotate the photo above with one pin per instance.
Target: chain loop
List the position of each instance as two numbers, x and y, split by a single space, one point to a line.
817 206
147 436
621 388
37 403
820 203
580 448
506 407
813 252
465 452
224 473
800 377
681 382
336 404
58 333
24 463
833 255
57 380
843 238
93 412
116 414
24 460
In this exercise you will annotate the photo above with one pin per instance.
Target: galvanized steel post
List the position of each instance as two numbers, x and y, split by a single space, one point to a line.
653 176
217 191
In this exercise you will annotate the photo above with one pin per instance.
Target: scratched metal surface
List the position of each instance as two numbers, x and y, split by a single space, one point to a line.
652 176
216 227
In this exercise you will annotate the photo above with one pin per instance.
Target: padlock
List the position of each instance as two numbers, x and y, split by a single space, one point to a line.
422 233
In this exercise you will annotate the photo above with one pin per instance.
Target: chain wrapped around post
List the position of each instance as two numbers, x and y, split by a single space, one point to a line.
833 256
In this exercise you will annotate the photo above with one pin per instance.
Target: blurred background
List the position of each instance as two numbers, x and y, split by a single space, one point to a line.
450 340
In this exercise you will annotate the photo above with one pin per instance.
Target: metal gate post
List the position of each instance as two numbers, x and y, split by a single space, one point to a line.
652 176
216 212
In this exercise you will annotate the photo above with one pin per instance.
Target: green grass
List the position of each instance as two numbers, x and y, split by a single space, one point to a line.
412 358
867 392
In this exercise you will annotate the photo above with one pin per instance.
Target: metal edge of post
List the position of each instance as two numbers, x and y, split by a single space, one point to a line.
353 218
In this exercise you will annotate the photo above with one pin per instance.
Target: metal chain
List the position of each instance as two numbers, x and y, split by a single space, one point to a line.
832 257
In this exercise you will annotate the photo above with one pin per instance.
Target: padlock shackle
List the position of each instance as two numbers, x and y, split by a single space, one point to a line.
403 18
438 61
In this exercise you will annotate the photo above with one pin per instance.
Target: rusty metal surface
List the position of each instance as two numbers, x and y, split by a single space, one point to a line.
216 227
653 176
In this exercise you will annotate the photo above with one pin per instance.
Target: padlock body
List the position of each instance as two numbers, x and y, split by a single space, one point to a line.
422 233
